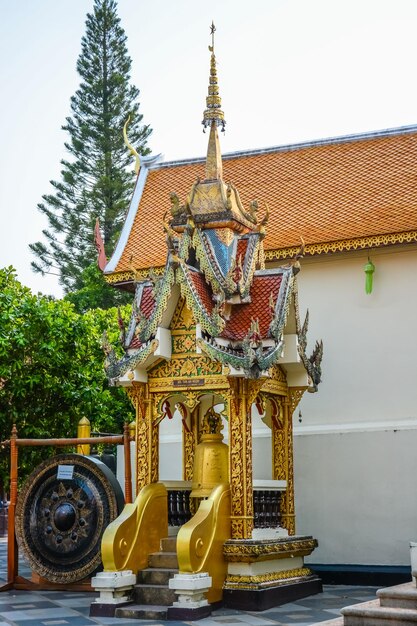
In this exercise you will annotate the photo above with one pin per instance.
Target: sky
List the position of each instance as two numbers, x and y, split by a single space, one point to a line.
289 71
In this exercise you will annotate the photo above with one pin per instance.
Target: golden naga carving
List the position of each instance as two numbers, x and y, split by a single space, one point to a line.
132 150
130 539
200 541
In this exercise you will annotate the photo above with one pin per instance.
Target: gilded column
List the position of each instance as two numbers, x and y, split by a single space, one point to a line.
287 501
154 439
279 443
188 441
146 436
288 508
243 392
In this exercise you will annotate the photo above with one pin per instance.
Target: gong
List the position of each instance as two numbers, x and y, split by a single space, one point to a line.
62 511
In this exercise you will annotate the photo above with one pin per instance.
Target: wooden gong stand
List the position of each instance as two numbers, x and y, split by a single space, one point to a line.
14 580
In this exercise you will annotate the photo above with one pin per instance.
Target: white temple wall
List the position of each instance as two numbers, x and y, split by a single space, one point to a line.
356 494
369 365
356 446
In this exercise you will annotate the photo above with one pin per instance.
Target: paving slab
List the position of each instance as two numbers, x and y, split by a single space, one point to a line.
63 608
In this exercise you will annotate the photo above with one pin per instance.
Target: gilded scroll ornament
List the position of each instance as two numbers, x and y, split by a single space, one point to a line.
142 456
188 454
186 367
279 448
295 394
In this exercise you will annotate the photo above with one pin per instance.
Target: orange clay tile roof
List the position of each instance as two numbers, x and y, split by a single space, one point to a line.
326 191
237 326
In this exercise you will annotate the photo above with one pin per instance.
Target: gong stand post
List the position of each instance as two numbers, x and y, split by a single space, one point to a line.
12 550
128 467
14 581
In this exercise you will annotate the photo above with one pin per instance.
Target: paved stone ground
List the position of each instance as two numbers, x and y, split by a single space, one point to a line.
58 608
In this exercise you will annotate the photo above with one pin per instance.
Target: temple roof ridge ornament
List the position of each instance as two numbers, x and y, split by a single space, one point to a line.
213 115
129 146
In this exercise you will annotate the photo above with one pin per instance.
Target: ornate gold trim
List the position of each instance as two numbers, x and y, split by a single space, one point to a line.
344 245
245 552
248 582
275 387
205 382
130 276
240 456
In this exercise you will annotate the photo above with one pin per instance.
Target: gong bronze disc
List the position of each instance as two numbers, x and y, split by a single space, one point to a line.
62 511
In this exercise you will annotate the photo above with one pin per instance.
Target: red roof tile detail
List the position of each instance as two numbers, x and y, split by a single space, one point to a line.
238 325
203 290
135 344
147 302
241 248
329 192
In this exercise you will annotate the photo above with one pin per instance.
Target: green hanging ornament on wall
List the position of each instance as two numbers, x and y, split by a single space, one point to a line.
369 275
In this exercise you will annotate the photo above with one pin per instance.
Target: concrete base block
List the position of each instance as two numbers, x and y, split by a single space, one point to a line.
115 589
97 609
189 614
267 597
191 590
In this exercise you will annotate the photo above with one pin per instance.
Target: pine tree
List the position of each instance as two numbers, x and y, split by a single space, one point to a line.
97 179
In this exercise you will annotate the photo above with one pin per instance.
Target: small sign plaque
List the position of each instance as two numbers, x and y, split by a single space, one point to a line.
189 382
65 472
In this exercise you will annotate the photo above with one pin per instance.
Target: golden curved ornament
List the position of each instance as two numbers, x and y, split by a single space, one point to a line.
200 541
131 149
130 539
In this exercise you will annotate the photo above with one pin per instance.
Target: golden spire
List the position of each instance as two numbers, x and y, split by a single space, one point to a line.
213 113
213 117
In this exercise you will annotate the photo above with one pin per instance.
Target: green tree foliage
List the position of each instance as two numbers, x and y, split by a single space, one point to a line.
96 293
97 179
51 370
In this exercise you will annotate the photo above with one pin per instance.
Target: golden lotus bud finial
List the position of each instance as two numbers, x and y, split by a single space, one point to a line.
213 112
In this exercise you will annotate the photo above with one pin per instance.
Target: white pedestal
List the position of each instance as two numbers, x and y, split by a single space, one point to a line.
190 589
114 587
413 558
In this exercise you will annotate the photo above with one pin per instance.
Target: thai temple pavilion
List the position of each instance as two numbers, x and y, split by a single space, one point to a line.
215 336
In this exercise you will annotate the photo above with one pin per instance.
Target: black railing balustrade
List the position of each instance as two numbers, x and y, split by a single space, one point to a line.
178 506
266 507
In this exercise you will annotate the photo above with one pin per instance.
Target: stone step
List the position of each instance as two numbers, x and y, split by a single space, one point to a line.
373 614
169 544
166 560
400 596
141 611
156 575
153 595
331 622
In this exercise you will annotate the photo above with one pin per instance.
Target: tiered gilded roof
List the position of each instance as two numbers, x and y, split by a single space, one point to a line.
213 253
